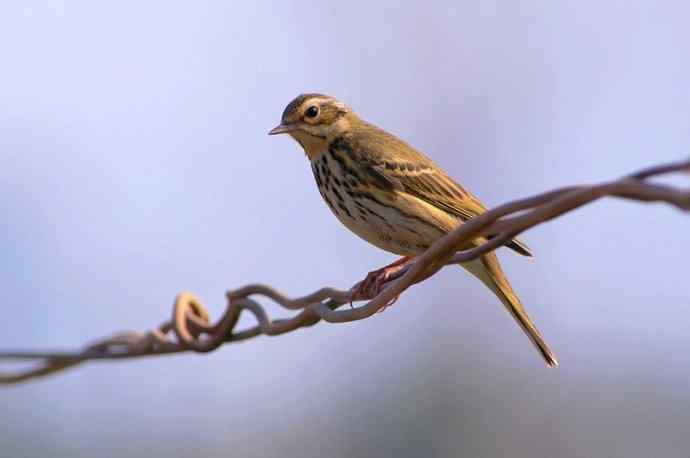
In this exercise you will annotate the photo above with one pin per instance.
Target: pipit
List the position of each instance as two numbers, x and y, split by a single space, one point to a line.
392 195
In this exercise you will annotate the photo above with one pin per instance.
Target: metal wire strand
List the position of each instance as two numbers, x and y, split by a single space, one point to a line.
190 327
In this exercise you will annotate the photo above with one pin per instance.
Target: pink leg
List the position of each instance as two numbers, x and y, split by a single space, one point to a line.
373 283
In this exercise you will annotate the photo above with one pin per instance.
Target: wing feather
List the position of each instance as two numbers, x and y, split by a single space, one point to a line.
395 165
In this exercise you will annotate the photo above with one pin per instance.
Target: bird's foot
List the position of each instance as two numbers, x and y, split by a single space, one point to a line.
372 285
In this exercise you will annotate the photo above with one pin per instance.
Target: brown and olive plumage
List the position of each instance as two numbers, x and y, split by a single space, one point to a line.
390 194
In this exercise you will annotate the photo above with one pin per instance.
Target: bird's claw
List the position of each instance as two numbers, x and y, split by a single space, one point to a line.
375 282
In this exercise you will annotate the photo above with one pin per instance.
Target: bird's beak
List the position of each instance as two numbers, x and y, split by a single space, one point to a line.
281 129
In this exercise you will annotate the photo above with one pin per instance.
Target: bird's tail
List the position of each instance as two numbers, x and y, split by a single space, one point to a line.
489 271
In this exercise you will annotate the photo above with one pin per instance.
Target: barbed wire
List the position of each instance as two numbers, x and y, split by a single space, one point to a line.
190 327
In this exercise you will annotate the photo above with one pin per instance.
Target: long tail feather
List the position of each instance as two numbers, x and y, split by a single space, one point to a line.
489 271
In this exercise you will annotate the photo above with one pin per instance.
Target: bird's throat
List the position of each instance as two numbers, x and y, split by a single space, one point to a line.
313 145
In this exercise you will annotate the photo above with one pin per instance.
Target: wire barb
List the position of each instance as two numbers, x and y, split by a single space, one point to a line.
190 328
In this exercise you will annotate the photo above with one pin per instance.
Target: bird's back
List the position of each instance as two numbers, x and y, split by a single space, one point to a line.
399 168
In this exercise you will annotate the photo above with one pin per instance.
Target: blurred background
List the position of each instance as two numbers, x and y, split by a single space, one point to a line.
134 164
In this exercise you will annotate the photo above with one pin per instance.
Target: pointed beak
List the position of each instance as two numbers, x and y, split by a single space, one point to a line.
281 129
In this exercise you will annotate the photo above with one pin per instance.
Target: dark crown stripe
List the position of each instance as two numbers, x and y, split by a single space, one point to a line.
296 103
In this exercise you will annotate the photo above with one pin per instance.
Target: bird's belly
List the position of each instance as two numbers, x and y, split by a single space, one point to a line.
395 222
386 223
389 232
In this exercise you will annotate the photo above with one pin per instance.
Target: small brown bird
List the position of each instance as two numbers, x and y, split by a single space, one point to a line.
390 194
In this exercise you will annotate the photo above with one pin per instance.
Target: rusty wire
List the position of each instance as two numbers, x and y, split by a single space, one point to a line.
190 327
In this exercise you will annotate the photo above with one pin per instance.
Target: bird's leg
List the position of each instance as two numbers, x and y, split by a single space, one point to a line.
372 285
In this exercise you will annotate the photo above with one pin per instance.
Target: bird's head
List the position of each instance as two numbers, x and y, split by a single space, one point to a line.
313 120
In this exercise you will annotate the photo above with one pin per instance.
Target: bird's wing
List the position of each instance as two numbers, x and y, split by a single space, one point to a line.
394 164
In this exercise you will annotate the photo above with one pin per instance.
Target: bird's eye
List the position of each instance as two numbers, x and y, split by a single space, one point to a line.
312 111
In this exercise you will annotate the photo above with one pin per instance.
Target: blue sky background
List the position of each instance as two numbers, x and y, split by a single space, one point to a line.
134 164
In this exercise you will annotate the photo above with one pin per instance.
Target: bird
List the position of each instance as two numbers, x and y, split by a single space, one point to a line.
392 195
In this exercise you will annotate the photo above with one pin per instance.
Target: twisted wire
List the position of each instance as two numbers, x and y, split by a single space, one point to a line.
190 328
